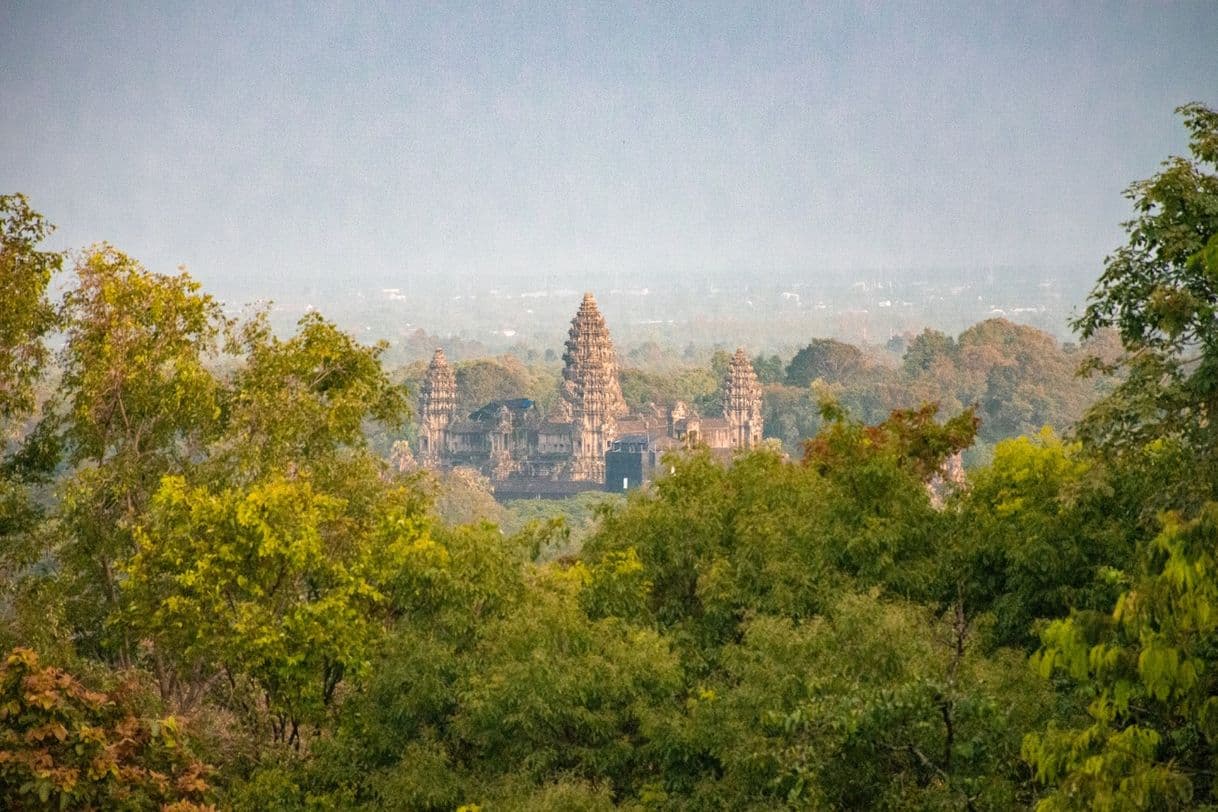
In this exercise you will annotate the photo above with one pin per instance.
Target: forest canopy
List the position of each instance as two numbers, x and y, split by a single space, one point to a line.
217 592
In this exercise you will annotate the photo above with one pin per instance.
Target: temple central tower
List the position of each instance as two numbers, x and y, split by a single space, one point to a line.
742 402
590 386
437 407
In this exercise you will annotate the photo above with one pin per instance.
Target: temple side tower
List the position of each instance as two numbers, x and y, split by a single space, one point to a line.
742 402
437 407
591 387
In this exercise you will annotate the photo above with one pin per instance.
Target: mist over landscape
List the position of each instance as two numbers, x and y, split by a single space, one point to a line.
764 313
615 406
712 155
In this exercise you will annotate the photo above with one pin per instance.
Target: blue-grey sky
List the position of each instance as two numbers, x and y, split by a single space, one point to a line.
265 145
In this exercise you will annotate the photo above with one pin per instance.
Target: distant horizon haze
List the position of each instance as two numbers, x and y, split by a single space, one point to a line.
272 150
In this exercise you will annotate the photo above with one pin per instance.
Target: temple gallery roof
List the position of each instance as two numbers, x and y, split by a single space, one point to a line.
491 410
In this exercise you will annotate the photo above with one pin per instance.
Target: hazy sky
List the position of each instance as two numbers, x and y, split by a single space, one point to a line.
263 144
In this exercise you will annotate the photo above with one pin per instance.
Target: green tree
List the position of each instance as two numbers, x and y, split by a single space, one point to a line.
716 541
1160 292
1039 532
27 315
480 382
792 414
719 542
928 349
826 359
769 369
694 385
549 691
465 496
719 363
277 584
136 386
392 743
138 402
872 704
304 403
1149 670
288 530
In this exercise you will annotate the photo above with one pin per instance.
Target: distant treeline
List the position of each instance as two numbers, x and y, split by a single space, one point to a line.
1020 380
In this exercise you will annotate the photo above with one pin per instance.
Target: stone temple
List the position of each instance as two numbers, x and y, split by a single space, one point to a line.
590 440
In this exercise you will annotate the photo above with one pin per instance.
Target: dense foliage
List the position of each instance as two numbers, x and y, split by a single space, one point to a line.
215 590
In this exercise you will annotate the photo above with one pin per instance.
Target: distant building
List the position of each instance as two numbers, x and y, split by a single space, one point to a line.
589 441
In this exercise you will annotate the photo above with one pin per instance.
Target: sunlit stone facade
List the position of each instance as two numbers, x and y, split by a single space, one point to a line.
526 453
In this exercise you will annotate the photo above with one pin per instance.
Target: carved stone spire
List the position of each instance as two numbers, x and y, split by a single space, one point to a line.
742 402
591 386
437 407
